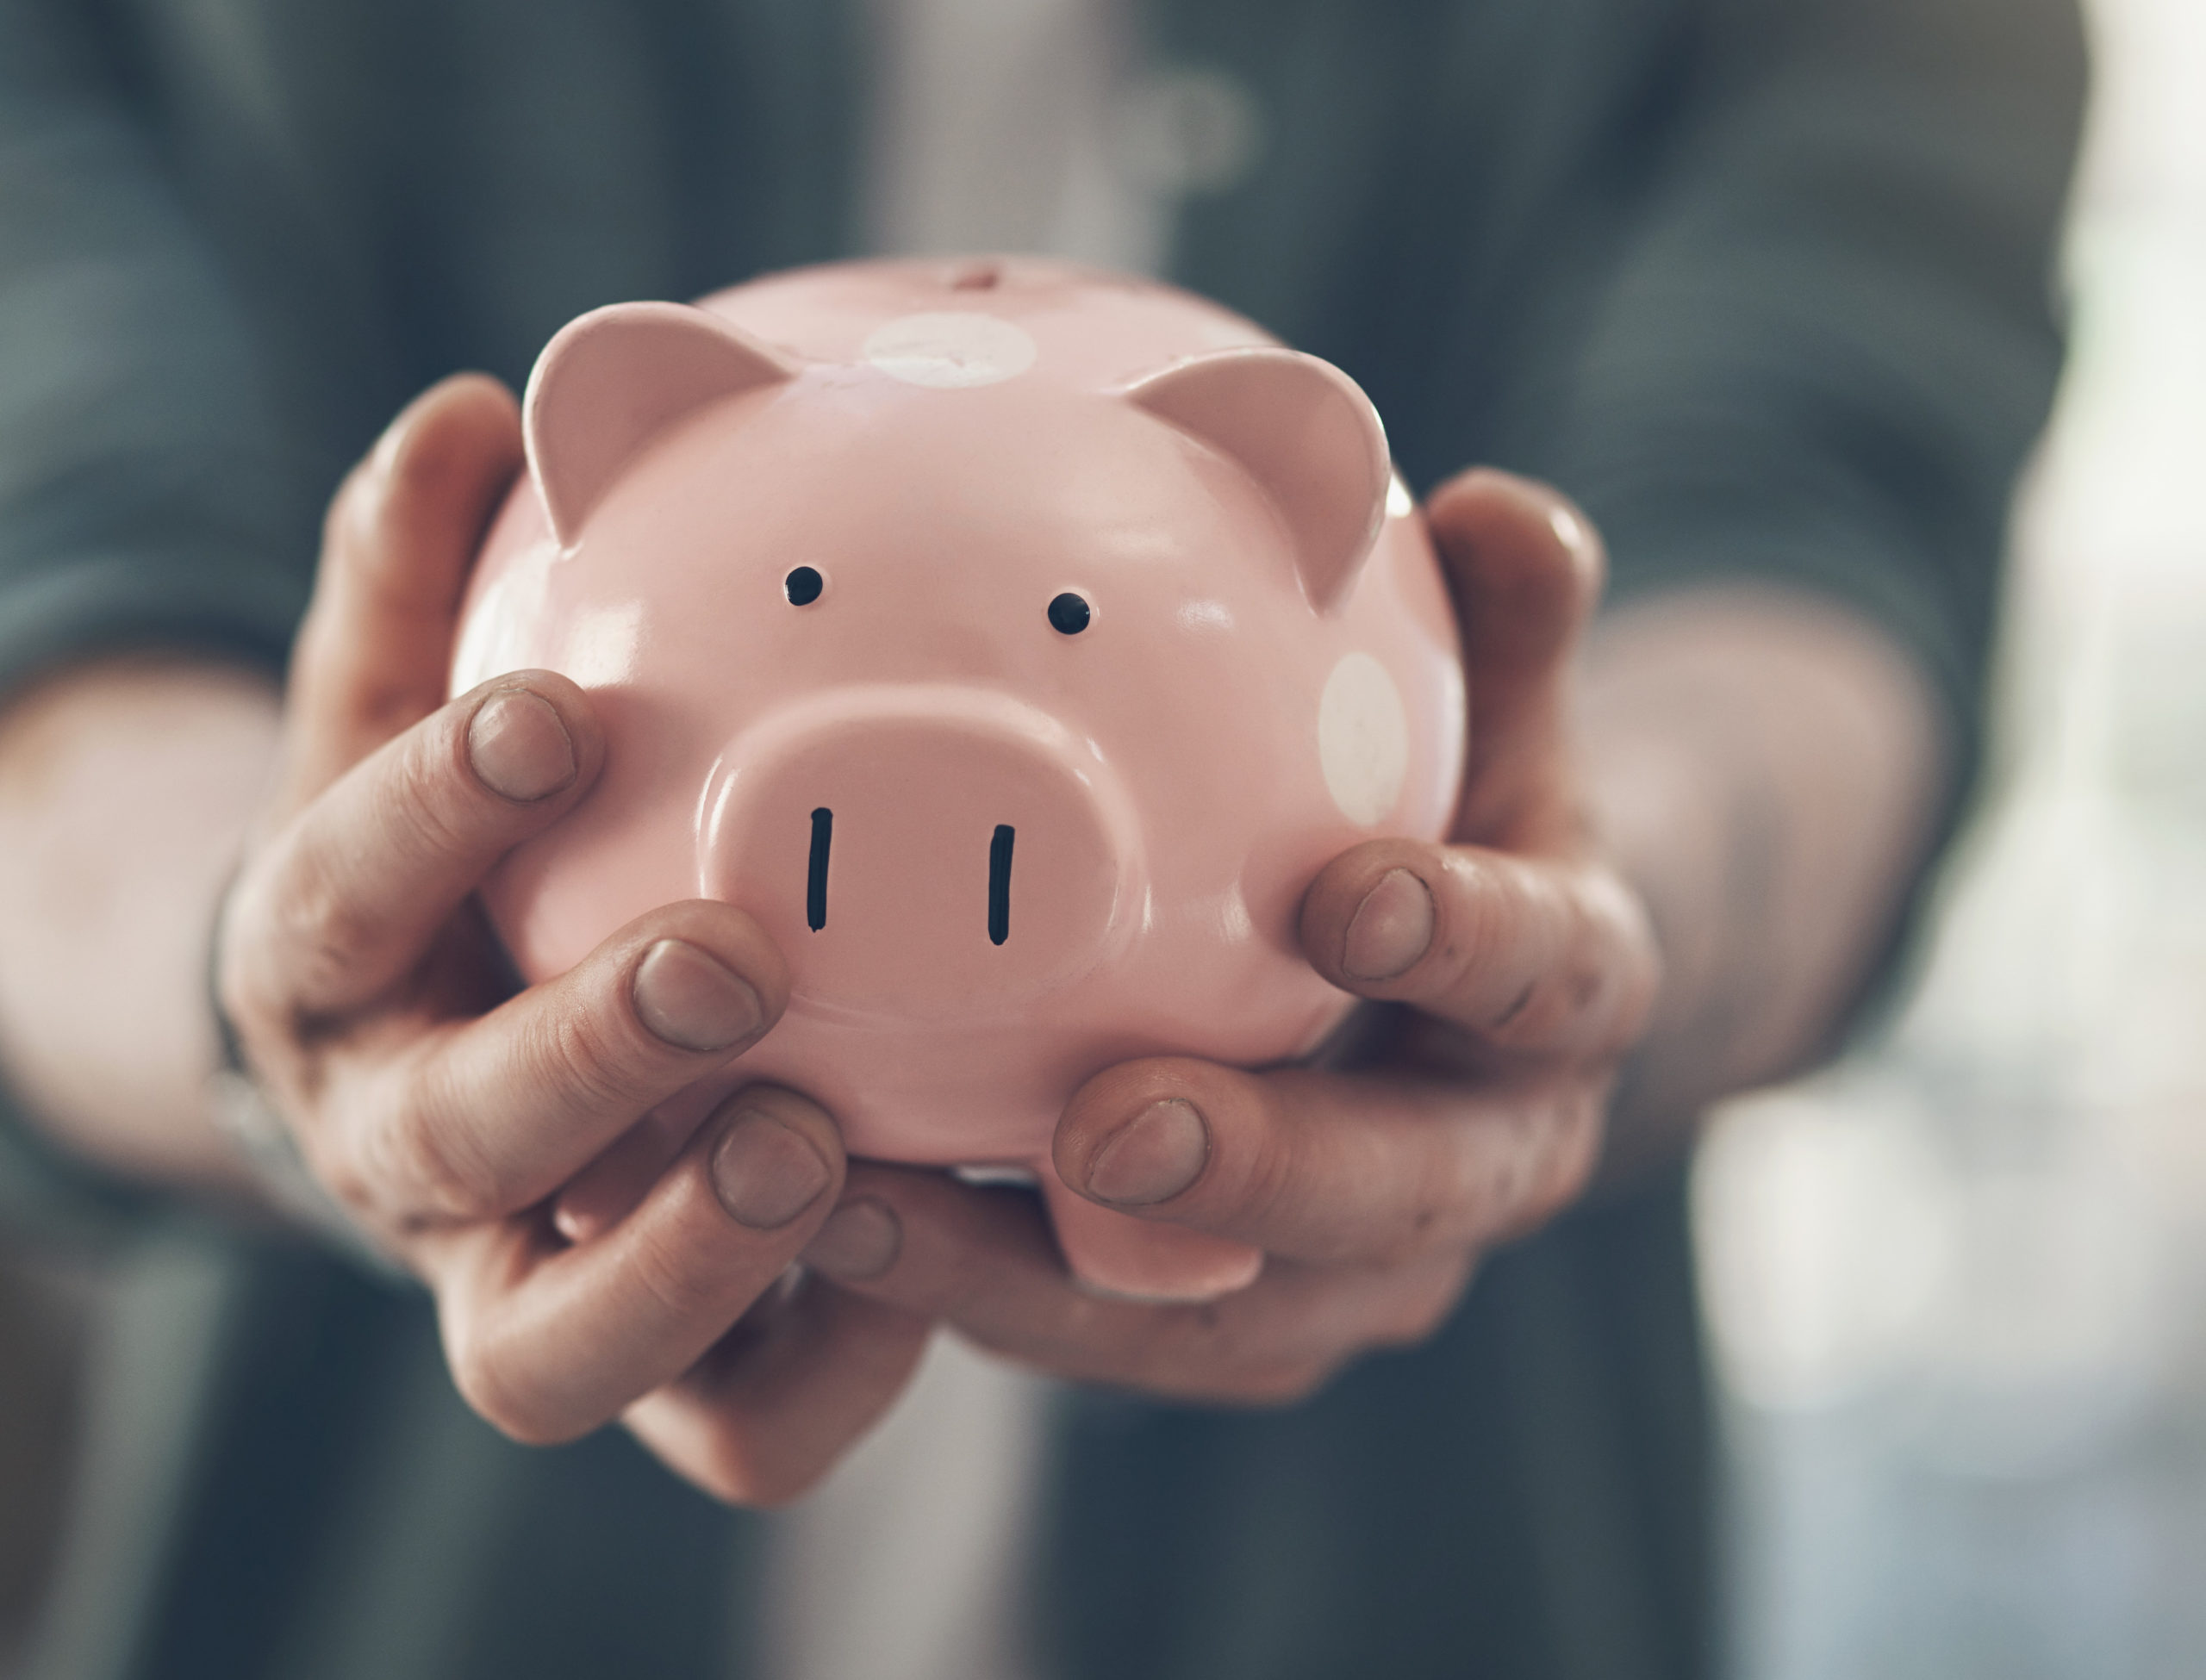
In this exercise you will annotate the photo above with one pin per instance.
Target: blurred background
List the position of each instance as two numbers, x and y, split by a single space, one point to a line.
45 1309
1957 1284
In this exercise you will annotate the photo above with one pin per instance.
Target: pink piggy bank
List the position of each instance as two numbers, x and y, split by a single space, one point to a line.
1015 641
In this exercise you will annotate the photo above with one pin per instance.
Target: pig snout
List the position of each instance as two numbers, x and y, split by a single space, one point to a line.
923 851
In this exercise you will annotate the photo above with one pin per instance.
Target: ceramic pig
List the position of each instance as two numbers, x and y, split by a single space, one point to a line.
1015 641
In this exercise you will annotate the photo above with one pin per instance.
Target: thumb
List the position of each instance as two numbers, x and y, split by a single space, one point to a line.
373 655
1524 567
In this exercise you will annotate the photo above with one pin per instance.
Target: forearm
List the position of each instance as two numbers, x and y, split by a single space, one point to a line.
1768 770
125 791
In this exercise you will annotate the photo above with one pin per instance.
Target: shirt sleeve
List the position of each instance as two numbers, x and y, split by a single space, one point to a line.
145 494
1834 336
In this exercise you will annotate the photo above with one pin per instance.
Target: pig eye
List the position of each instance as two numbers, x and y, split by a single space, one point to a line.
803 585
1069 614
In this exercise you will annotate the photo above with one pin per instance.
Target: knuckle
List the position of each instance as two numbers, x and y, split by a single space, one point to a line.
1609 973
585 1063
1427 1223
1437 1205
1517 1020
421 794
320 931
958 1285
1548 1170
1211 1351
1179 1341
679 1280
1464 938
1442 1203
1551 980
1269 1165
428 1159
1540 955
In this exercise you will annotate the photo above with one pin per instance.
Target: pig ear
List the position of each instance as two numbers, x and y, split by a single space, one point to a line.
1308 435
611 380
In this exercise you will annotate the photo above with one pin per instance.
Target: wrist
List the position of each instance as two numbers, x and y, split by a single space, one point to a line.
1766 769
125 789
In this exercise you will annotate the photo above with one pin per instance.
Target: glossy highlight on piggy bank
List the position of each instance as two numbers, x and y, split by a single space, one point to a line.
1015 641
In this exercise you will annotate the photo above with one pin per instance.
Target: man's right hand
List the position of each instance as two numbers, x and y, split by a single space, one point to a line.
443 1110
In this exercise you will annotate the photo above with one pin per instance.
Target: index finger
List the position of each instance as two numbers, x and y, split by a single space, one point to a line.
347 896
1530 952
1524 567
549 1340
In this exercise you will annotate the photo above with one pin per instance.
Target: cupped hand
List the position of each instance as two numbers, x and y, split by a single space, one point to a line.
441 1108
1509 970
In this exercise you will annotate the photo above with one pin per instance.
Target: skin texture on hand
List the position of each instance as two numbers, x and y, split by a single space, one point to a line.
1512 971
441 1108
1509 972
1515 968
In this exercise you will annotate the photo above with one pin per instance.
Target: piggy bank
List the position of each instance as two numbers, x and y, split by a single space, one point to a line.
1015 641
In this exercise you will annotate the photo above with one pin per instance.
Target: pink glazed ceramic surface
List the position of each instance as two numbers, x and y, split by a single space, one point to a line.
1015 641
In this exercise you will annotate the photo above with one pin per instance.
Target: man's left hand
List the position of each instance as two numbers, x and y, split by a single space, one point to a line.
1507 971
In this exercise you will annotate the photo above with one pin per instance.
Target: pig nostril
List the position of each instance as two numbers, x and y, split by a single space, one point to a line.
815 886
999 885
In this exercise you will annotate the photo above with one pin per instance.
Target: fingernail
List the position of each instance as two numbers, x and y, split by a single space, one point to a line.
519 747
692 1000
860 1240
766 1174
1390 928
1153 1157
